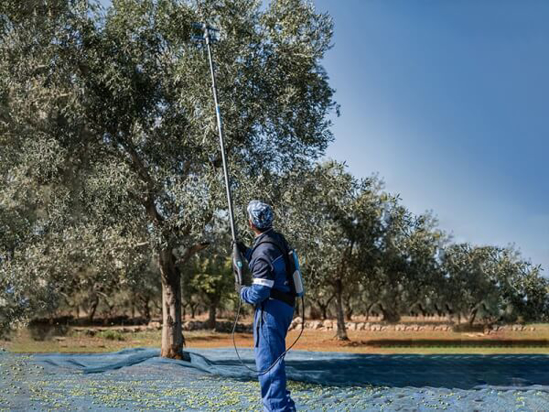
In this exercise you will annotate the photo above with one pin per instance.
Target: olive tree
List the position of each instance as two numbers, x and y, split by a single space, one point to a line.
210 278
522 290
109 115
335 218
471 275
407 271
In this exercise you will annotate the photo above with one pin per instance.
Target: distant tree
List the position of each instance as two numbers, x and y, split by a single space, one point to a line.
386 281
424 278
335 218
523 291
322 297
471 276
143 286
210 280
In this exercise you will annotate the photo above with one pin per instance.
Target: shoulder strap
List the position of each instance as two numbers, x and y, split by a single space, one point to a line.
283 251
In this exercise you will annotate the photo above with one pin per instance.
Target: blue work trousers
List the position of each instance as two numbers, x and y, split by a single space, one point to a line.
271 321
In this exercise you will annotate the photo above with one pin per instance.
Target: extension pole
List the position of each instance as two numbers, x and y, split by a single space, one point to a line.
237 258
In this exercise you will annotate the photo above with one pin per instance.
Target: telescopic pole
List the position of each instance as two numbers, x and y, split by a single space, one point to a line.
237 258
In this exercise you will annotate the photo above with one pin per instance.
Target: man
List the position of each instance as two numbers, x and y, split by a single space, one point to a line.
270 292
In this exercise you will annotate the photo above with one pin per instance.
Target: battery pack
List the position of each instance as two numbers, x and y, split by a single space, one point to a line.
297 278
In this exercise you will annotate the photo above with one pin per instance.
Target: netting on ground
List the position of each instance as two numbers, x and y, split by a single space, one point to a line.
215 380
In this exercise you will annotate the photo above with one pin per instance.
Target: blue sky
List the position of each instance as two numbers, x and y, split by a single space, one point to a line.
448 101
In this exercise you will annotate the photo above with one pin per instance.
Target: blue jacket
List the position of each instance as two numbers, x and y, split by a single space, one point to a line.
268 267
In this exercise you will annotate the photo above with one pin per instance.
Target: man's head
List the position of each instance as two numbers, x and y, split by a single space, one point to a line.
260 216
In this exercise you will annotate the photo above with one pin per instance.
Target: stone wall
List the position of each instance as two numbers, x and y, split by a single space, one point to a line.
329 325
320 325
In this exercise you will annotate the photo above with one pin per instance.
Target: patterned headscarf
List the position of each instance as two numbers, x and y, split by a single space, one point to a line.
261 214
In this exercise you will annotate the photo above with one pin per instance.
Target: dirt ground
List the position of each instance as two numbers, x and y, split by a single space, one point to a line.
387 342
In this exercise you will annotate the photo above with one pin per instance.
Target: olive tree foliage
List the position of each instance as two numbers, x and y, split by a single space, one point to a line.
494 284
333 219
407 271
524 291
126 280
107 124
530 300
364 251
143 290
471 278
210 278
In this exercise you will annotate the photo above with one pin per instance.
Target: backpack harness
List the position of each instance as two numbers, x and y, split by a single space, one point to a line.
288 298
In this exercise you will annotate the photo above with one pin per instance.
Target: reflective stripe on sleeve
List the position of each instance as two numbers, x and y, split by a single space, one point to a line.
263 282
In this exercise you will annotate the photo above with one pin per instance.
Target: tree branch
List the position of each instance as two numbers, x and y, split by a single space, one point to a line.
139 167
190 252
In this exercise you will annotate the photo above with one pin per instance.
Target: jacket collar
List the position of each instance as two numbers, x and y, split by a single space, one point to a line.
263 236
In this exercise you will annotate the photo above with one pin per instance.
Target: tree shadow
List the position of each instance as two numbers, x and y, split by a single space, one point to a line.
339 369
456 343
438 371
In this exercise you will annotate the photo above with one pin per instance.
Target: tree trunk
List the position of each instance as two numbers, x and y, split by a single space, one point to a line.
110 311
172 335
93 308
341 330
440 311
324 311
449 312
212 313
348 312
156 306
146 309
368 309
193 307
390 315
473 316
323 306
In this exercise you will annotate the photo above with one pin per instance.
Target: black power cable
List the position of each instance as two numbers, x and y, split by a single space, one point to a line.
259 373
